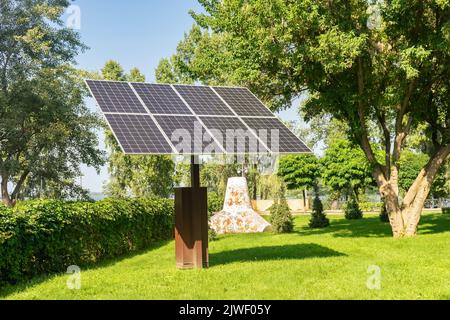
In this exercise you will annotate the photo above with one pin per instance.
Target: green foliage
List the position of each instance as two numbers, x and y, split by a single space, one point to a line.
280 214
411 163
446 210
44 237
299 171
384 216
46 130
352 210
368 206
318 216
345 168
136 76
215 203
215 176
333 258
371 65
113 71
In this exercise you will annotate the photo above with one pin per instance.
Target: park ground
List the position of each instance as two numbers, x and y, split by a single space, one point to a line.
331 263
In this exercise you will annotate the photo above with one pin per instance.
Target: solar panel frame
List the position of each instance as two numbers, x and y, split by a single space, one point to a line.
120 97
263 118
243 101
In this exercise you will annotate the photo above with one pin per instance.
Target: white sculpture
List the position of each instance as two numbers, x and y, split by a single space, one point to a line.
237 215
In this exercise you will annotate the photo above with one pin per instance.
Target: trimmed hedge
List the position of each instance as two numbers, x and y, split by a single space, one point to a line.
42 237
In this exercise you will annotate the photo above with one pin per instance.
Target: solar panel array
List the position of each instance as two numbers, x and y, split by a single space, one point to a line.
185 119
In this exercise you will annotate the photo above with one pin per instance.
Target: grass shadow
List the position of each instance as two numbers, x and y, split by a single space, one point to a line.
106 262
366 227
372 227
266 253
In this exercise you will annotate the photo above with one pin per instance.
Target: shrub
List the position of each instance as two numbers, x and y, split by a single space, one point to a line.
280 214
41 237
446 210
215 203
384 216
367 206
352 210
318 216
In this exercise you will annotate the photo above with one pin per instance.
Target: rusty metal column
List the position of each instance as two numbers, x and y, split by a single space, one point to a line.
191 222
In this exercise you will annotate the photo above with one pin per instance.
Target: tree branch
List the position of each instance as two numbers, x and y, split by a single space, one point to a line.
427 173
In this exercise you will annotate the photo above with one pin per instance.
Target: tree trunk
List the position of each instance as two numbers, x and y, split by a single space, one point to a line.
404 219
304 199
5 194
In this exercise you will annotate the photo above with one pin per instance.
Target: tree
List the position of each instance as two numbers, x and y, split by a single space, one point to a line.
352 210
132 175
280 213
46 131
361 62
318 216
299 172
113 71
136 76
345 169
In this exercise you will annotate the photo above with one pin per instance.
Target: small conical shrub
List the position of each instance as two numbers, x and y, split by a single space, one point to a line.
384 216
280 214
352 210
318 216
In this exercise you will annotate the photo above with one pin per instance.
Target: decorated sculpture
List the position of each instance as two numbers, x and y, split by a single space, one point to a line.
237 215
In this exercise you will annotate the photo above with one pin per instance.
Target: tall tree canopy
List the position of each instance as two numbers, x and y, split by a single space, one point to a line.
362 62
139 176
46 131
345 169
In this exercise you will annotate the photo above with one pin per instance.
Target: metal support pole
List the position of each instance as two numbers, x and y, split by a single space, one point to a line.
195 172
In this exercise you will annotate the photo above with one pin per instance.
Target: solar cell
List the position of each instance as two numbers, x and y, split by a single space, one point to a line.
188 135
282 140
115 97
138 134
203 100
243 102
233 135
160 98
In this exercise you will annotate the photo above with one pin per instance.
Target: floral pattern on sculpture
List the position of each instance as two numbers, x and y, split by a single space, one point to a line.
237 215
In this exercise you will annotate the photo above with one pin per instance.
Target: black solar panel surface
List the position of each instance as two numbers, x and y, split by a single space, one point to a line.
203 100
243 102
187 134
115 97
233 135
138 134
279 137
161 99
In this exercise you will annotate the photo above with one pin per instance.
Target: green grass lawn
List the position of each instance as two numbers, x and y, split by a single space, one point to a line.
328 263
